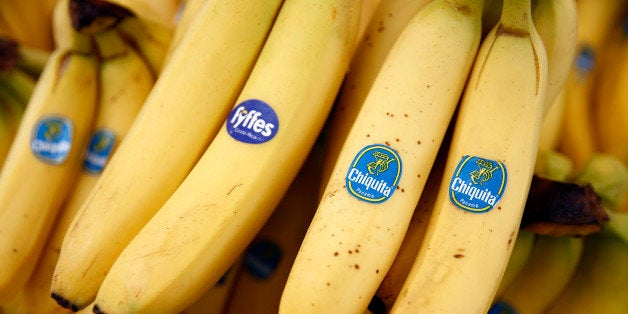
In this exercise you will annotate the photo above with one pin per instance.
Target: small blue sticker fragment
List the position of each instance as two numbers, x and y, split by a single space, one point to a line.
501 307
374 173
477 184
262 258
99 150
51 139
252 121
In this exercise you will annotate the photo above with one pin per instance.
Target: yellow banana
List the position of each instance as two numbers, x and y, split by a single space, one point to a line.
596 19
42 162
216 298
181 114
156 11
125 81
186 14
385 161
557 23
487 176
270 255
553 124
544 277
390 286
385 25
151 39
28 22
206 224
610 103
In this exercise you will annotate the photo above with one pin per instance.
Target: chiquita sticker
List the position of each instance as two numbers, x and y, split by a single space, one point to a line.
51 139
99 150
252 121
374 173
477 184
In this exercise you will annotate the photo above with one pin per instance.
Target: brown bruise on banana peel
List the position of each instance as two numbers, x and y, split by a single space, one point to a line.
503 30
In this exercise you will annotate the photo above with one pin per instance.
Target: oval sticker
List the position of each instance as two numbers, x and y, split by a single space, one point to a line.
477 184
51 139
262 259
252 121
99 150
374 173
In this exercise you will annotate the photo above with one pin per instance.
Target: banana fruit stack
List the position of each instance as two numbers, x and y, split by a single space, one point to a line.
298 156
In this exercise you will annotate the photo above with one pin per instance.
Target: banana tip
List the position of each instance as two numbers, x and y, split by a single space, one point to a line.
63 302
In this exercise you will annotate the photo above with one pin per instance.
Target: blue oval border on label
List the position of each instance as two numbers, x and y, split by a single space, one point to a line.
51 139
374 177
99 150
252 121
477 184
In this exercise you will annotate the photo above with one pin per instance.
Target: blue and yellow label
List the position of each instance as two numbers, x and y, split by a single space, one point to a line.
51 139
99 150
262 258
252 121
374 173
477 184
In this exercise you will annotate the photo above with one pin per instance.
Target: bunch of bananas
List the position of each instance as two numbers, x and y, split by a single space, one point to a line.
299 156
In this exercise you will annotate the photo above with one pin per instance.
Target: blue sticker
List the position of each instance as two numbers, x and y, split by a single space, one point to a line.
262 259
99 150
477 184
374 173
501 307
252 121
51 139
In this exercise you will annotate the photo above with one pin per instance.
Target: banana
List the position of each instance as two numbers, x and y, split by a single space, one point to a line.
385 25
32 60
600 283
183 111
521 253
369 7
557 23
28 22
19 83
551 266
206 224
125 81
186 14
43 160
156 11
390 286
610 103
609 178
385 161
270 255
596 19
552 124
151 39
216 298
472 229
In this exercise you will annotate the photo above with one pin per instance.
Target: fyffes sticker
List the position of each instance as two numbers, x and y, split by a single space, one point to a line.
99 150
252 121
477 184
51 139
374 173
262 258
